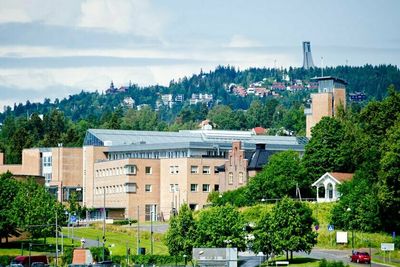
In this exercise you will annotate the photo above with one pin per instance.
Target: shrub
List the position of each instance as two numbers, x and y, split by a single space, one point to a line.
156 259
97 253
124 222
5 260
325 263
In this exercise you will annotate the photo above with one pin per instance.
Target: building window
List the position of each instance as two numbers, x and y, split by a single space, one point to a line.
130 169
194 169
147 188
148 170
206 188
150 212
230 178
216 187
129 188
47 161
193 206
173 169
240 178
206 169
173 188
193 188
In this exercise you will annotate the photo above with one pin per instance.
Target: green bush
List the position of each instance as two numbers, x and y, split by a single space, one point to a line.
5 260
68 254
325 263
156 259
97 253
124 222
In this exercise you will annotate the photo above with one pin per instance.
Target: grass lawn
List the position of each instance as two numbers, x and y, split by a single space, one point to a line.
119 238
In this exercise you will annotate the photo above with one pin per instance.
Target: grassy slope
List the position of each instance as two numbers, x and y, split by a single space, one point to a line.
120 237
326 239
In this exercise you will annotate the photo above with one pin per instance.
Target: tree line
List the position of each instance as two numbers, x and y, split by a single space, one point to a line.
28 207
56 128
372 80
274 232
360 141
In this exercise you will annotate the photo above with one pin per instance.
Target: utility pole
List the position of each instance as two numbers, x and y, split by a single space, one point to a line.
56 239
138 234
151 232
104 221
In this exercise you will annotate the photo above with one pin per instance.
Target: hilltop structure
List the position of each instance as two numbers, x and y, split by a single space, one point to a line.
307 57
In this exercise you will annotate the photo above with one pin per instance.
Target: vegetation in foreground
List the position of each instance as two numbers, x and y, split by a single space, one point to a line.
365 142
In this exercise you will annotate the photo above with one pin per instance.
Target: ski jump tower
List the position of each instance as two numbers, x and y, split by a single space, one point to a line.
307 60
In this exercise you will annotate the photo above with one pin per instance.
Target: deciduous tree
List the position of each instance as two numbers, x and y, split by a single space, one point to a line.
181 234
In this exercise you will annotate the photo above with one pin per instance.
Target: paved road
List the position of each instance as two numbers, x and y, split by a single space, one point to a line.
337 255
250 260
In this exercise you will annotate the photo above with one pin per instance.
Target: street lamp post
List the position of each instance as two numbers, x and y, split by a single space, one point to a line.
352 232
151 232
56 239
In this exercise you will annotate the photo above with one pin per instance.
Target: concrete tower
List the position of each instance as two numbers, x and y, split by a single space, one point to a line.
307 60
331 94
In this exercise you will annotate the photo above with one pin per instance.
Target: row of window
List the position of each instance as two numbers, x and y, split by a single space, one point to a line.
128 169
240 178
195 169
127 188
148 155
132 169
205 187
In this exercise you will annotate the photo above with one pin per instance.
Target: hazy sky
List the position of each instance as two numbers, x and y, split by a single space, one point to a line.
51 48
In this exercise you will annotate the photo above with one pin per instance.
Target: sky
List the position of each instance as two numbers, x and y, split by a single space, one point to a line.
53 48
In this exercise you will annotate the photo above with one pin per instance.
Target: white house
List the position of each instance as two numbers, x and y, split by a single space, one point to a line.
327 185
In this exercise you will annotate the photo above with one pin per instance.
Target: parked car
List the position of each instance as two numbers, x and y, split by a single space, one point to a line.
360 257
28 261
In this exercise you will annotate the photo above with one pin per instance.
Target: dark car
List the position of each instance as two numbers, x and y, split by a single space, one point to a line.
360 257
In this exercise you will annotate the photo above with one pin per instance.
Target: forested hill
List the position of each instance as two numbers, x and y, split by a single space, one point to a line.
371 80
229 98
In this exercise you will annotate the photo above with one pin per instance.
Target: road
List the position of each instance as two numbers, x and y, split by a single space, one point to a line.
249 260
336 255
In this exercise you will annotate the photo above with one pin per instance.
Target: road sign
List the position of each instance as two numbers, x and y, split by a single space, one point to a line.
72 219
331 227
387 246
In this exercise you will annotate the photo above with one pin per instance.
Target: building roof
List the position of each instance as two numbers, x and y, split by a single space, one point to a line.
259 130
260 158
338 177
335 79
342 176
111 138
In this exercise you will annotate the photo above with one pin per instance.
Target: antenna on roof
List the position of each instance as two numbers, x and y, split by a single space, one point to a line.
322 66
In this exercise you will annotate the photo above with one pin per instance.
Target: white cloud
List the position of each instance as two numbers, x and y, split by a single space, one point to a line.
13 15
241 41
138 17
134 16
